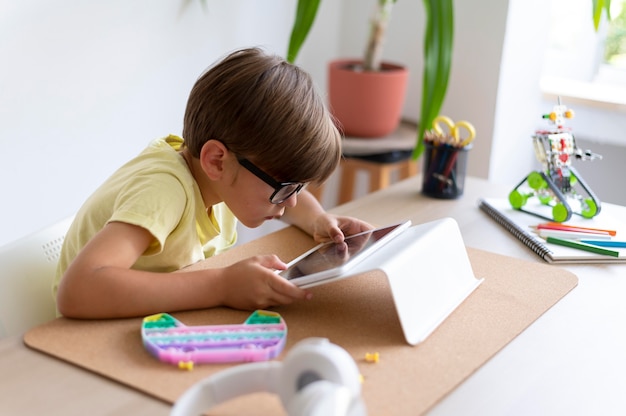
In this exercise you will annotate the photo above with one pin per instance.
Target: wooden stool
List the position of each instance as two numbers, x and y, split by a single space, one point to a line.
379 174
402 140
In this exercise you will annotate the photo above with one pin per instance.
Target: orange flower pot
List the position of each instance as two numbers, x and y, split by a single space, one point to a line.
366 104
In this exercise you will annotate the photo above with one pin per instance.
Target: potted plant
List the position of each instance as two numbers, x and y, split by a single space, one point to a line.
437 52
366 95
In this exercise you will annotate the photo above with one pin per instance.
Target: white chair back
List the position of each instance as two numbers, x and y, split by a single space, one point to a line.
27 269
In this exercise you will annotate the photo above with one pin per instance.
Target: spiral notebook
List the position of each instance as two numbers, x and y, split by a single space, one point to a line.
521 223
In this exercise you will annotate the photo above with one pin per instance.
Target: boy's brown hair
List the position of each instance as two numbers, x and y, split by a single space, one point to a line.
266 110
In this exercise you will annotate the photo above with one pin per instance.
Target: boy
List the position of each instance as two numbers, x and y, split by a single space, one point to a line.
255 132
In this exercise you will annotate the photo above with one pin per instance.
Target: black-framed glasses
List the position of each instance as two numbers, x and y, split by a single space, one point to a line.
282 190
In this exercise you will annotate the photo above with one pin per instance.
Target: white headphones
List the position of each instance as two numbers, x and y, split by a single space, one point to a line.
316 378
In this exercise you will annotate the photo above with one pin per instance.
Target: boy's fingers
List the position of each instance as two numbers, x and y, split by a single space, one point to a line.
284 287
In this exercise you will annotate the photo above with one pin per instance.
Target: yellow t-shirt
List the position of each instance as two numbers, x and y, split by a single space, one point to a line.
155 191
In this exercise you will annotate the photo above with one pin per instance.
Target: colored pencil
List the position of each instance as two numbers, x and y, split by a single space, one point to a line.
605 243
569 229
565 227
582 246
572 235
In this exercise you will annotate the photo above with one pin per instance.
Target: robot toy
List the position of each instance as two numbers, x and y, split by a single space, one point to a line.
559 185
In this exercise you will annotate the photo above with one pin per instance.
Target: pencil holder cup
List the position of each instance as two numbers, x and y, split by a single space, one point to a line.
444 170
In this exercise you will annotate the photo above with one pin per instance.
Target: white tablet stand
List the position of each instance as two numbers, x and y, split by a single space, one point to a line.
429 273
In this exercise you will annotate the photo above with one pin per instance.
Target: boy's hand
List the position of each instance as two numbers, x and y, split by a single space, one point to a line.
329 227
253 284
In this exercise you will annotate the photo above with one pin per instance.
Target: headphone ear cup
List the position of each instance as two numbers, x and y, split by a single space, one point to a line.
316 360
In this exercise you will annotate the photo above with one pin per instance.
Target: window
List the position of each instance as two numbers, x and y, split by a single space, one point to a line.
584 64
615 42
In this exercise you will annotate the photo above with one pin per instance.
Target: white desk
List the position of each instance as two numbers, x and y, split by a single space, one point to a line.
571 361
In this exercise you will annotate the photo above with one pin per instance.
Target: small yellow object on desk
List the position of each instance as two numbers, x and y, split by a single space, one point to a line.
372 357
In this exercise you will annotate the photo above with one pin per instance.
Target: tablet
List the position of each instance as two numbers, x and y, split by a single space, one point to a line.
329 260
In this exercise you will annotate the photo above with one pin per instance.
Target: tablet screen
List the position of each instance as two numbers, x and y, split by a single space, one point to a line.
331 259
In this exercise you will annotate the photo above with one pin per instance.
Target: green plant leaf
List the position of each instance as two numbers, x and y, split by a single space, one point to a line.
598 6
438 44
305 16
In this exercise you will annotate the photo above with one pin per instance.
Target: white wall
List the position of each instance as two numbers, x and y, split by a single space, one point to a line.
518 110
86 85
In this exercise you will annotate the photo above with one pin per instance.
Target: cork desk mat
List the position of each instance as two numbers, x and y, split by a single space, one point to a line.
356 313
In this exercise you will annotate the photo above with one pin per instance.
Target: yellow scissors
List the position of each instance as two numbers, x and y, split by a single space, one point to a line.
454 130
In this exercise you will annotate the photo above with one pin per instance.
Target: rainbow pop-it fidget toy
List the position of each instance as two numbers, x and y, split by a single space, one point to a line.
261 337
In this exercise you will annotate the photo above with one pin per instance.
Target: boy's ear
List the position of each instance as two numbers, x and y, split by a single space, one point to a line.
212 159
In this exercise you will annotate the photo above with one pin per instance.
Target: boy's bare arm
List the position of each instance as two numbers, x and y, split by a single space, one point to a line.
100 283
304 213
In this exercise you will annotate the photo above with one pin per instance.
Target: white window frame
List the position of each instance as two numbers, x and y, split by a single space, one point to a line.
573 66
